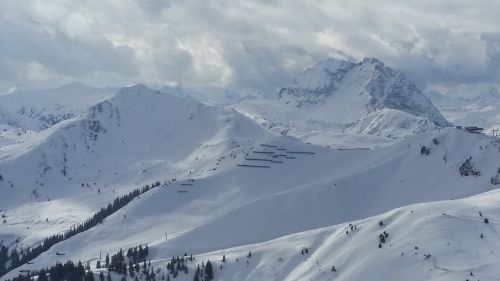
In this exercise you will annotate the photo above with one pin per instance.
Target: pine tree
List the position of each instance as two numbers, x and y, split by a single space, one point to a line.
89 276
197 274
209 271
137 268
107 261
249 254
109 277
42 276
14 258
131 269
101 276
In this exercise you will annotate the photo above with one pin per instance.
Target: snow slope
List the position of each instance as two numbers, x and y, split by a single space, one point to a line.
481 109
14 128
244 205
345 97
8 118
238 187
137 137
429 241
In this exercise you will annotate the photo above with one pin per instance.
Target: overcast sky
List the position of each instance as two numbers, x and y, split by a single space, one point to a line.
242 44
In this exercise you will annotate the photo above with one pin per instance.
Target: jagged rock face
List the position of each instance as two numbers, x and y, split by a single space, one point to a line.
367 86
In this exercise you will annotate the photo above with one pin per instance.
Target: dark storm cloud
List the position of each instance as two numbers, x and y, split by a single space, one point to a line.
242 44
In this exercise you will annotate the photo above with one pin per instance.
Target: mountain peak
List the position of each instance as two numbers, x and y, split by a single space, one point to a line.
135 91
351 91
76 84
368 60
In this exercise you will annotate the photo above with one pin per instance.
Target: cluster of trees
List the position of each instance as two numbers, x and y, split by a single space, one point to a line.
4 257
467 169
382 237
496 180
425 150
134 255
59 272
304 251
204 273
178 264
18 258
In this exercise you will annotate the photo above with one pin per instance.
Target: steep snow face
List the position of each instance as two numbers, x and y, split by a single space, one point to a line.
51 106
392 124
318 78
339 97
136 136
350 91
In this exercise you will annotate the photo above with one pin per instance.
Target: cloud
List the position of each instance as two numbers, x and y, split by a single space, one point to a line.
242 44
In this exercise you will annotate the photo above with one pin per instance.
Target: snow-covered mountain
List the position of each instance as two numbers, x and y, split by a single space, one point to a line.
480 107
226 186
305 188
207 95
15 120
340 96
14 128
51 106
137 135
353 90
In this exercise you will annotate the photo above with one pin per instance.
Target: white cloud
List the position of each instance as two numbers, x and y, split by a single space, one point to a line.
256 44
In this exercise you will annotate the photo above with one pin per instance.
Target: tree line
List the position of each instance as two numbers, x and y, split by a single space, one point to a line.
22 256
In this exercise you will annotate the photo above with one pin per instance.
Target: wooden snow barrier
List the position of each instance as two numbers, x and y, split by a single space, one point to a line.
291 157
253 166
263 159
358 148
187 183
263 152
281 148
301 152
267 145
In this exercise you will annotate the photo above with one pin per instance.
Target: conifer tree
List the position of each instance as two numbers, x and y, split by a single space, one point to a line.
209 271
42 276
131 269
